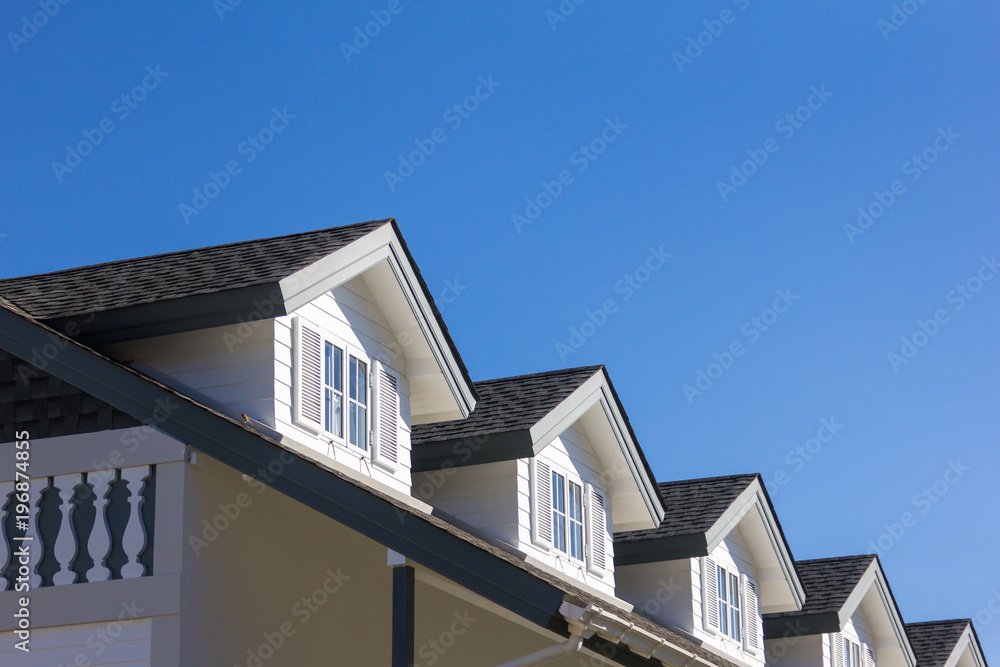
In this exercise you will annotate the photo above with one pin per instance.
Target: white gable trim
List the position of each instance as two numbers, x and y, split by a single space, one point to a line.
594 391
383 244
874 576
753 499
966 641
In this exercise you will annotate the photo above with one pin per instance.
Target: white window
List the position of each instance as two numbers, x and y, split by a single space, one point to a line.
852 653
357 404
333 390
729 596
568 516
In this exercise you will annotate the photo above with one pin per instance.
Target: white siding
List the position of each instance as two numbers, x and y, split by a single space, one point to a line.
82 645
795 650
233 364
483 496
347 315
660 591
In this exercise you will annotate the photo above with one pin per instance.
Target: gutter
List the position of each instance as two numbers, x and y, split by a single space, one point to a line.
587 622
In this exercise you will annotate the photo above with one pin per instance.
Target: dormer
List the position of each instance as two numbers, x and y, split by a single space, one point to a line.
946 644
548 466
850 619
329 338
715 564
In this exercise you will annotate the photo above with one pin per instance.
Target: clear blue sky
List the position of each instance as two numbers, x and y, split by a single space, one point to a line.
678 128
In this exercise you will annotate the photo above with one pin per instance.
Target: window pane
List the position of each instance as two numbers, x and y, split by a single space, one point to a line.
352 371
328 410
338 369
338 416
558 512
723 607
362 428
576 521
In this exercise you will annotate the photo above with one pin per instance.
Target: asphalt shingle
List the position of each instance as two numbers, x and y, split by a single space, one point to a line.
828 582
934 641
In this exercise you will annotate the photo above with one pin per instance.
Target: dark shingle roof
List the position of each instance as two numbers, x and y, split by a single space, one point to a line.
934 641
693 506
828 582
131 282
508 404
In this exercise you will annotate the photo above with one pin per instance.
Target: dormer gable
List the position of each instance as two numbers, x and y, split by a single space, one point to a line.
946 644
547 465
701 514
848 603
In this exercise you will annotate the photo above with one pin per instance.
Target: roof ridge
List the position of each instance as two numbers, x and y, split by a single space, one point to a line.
833 559
950 621
551 373
696 480
191 250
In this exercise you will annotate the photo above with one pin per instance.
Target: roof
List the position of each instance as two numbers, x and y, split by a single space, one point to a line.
217 286
132 282
830 581
508 404
693 506
428 540
934 641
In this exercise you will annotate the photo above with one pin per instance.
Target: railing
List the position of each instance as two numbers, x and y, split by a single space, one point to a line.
84 527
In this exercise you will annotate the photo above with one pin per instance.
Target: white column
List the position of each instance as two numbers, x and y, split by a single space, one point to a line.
65 541
100 537
135 535
37 486
6 488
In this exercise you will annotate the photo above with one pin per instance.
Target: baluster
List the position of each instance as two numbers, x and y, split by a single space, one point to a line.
66 540
134 538
100 537
36 488
6 488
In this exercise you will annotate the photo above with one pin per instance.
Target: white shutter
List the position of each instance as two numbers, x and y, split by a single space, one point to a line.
751 616
307 394
837 649
868 655
541 503
710 595
597 527
385 420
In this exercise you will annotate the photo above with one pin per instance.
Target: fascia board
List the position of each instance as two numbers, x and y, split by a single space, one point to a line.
660 549
354 259
453 453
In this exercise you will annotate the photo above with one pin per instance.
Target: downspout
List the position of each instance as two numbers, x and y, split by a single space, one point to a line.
574 615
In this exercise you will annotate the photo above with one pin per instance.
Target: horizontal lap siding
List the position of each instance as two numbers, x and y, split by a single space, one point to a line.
482 496
661 591
81 645
347 314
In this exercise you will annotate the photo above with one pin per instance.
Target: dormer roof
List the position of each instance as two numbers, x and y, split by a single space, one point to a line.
517 417
946 643
701 513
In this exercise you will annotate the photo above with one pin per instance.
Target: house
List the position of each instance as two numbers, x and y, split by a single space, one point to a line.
271 453
716 563
850 619
946 644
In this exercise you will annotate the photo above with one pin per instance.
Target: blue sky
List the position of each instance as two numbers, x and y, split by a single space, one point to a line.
620 130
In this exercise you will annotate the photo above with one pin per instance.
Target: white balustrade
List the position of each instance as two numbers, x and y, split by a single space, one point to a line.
65 547
32 536
99 546
134 538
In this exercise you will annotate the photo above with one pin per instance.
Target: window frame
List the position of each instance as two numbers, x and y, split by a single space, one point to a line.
348 351
729 586
562 538
331 389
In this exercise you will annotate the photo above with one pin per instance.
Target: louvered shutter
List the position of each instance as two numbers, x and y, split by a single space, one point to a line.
751 616
868 655
307 359
541 503
710 595
837 649
597 528
385 420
